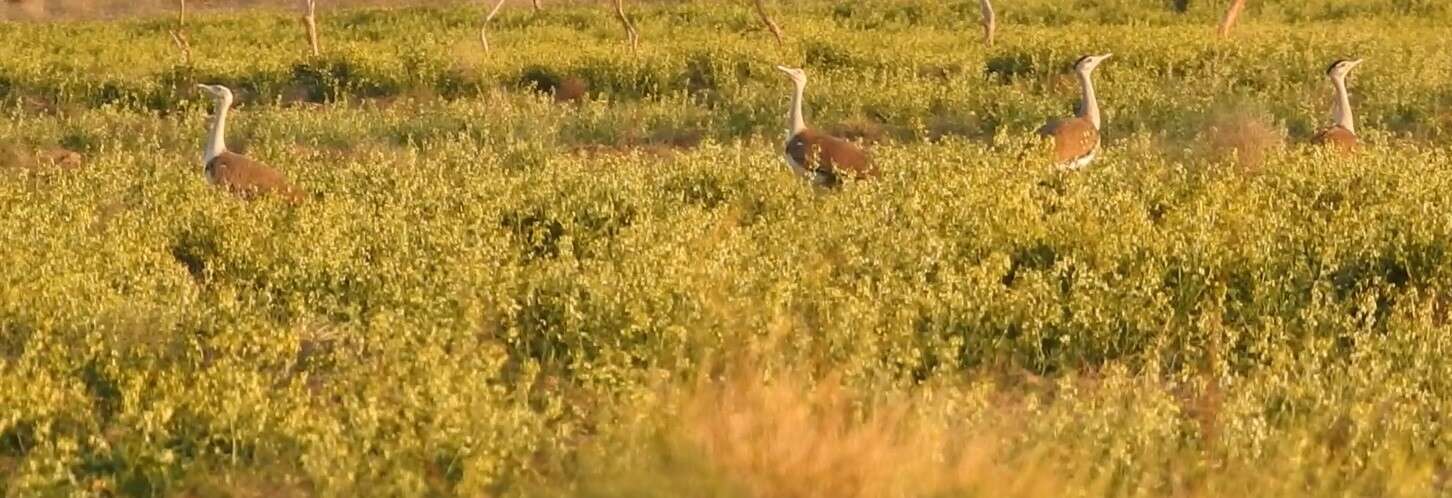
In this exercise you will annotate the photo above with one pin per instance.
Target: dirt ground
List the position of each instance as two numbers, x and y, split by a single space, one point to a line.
51 10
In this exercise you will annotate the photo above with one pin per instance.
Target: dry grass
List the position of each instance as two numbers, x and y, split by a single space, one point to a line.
789 439
860 129
949 124
1241 136
52 10
790 436
111 9
753 432
16 156
13 156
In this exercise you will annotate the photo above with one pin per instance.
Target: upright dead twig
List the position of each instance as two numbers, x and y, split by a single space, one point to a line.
629 27
484 28
179 35
1231 14
180 39
770 24
990 21
310 21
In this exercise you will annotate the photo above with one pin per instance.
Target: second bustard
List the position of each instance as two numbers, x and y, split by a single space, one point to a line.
234 172
1342 133
1076 139
818 157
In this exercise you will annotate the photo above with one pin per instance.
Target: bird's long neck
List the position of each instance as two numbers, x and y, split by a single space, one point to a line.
795 121
1341 108
216 137
1089 108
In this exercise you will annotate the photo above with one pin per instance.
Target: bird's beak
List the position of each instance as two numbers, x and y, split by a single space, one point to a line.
1356 62
1106 56
784 69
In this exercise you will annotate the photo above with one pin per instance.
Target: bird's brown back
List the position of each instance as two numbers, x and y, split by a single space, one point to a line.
816 151
1073 138
1336 137
247 178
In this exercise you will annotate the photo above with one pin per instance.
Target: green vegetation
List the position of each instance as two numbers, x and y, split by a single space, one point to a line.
490 293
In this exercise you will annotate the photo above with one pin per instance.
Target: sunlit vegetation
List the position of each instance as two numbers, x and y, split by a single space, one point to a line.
563 268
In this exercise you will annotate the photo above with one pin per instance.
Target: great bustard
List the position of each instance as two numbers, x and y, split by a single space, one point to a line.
1342 133
818 157
1076 139
234 172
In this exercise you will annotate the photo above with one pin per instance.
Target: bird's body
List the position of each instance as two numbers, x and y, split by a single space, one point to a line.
819 158
234 172
1336 137
1076 139
246 178
1341 136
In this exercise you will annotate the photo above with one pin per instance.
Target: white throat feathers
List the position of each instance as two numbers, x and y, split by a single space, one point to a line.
1341 107
217 135
1089 107
796 122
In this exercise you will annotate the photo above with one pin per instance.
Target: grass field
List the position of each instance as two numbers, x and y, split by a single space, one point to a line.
491 293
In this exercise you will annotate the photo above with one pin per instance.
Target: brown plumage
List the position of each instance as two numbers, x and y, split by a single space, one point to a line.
824 158
1075 139
1336 137
234 172
571 89
820 158
247 178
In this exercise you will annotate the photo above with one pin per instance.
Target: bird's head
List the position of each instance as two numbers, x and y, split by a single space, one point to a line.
1341 68
217 92
1087 63
798 76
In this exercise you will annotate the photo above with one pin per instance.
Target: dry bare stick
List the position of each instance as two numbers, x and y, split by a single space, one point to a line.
179 35
484 28
310 20
990 21
1231 15
180 39
770 24
629 27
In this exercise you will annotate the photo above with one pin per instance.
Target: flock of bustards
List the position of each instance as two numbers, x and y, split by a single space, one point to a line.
821 159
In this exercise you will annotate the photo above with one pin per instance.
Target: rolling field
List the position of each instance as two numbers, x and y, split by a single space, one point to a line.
495 290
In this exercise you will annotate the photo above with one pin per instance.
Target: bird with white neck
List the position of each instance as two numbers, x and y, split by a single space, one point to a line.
819 158
1076 139
1341 135
234 172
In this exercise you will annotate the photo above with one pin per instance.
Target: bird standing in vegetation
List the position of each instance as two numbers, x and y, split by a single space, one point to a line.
1076 139
234 172
817 156
1342 133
